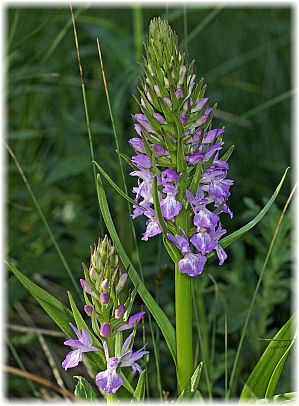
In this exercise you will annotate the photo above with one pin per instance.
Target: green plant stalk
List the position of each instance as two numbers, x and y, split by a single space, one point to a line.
183 319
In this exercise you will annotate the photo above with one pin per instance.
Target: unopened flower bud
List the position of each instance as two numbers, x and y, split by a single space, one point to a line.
167 101
183 118
105 330
159 118
119 311
121 282
88 310
104 298
182 75
93 273
157 91
85 285
149 97
179 93
105 285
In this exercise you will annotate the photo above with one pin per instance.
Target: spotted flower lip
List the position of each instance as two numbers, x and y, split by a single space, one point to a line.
81 345
110 380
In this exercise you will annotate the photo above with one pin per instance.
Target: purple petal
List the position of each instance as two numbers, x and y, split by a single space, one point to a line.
200 104
159 150
183 119
143 121
170 207
142 161
86 338
169 176
137 144
211 135
85 285
72 359
77 332
221 254
88 310
127 345
153 228
205 218
179 93
203 242
138 129
159 118
203 118
194 158
105 330
192 264
109 381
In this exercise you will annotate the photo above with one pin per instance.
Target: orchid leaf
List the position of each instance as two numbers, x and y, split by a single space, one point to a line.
83 389
191 389
58 312
227 155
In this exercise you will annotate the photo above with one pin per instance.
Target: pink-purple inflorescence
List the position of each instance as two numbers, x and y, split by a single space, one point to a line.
109 313
177 150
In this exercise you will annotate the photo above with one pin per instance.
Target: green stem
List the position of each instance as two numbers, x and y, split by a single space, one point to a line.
183 313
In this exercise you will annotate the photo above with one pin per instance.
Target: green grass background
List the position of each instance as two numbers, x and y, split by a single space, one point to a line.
244 55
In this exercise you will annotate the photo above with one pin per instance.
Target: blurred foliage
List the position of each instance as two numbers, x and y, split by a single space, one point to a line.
244 54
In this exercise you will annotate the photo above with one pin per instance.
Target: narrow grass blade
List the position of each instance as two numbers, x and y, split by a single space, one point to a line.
114 185
73 17
139 391
60 36
263 379
197 30
21 365
43 218
256 291
269 103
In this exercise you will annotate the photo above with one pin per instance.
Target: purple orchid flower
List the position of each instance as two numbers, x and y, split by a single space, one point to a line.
200 104
143 121
133 320
109 380
83 344
170 207
191 264
169 176
137 144
203 216
211 135
152 225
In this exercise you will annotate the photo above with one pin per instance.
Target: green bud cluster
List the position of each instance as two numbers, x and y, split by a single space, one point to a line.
102 286
168 87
